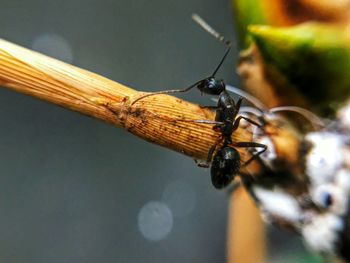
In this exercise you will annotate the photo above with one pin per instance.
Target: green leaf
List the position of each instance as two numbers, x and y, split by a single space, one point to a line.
313 57
247 12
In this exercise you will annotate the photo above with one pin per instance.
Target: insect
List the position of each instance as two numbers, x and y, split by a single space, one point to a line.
226 162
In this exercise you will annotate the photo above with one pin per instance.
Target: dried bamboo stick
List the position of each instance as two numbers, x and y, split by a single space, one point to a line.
153 118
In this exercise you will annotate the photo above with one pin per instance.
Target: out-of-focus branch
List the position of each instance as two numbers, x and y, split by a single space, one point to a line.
246 233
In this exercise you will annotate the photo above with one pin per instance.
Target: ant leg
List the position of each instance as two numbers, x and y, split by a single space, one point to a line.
315 121
166 92
238 104
219 116
200 121
216 122
209 107
260 107
212 150
251 145
202 164
239 118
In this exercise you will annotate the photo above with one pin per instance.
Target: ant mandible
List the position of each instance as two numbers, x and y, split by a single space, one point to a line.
226 163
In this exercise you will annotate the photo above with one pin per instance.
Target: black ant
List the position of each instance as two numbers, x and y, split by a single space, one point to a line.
226 163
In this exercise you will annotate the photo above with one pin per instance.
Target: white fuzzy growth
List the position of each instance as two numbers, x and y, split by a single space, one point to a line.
342 179
325 167
321 234
278 204
270 153
339 198
325 157
344 116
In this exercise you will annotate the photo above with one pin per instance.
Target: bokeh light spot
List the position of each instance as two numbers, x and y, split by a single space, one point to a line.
54 46
155 221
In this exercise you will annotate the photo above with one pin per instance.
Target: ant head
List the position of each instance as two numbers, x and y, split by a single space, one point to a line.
211 86
225 166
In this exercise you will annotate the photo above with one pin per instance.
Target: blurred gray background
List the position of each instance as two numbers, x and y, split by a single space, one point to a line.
74 189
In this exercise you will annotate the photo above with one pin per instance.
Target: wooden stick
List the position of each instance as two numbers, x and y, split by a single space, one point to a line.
157 119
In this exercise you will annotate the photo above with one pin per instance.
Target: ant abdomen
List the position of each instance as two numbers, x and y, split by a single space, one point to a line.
225 165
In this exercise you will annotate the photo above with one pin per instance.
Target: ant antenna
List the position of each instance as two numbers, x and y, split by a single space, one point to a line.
253 100
215 34
308 115
311 117
251 110
200 21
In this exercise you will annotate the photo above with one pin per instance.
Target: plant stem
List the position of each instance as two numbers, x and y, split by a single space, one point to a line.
157 119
